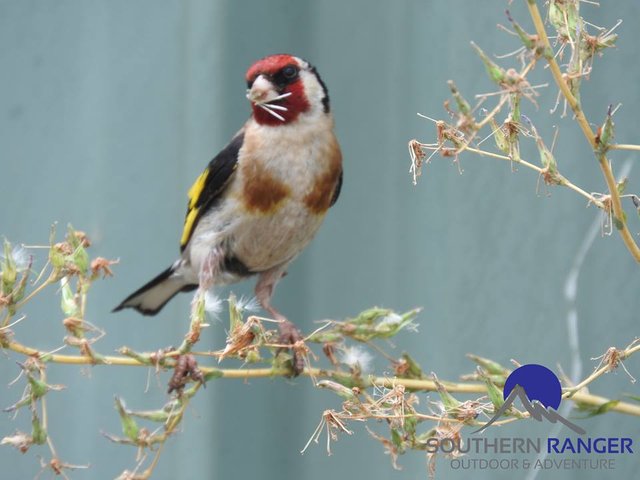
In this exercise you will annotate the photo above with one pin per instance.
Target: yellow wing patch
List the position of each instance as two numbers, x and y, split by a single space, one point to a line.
192 211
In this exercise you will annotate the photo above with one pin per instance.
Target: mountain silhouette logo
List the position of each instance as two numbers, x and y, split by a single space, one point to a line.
540 393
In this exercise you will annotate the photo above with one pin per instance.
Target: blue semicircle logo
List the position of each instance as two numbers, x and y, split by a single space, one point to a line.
538 382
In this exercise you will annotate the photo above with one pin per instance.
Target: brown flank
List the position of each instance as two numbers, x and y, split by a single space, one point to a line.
319 199
262 191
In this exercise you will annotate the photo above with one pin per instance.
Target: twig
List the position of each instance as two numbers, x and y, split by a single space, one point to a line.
598 372
624 146
566 183
172 424
558 76
36 290
371 381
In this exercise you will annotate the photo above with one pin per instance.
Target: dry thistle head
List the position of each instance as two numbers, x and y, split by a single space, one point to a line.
595 44
102 266
79 237
75 326
58 467
467 411
612 358
332 422
417 156
63 248
241 338
18 440
69 257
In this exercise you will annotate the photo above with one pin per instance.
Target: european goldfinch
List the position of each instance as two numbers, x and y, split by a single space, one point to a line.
261 200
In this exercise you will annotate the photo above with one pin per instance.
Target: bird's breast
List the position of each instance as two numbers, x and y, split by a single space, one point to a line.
285 183
297 164
277 200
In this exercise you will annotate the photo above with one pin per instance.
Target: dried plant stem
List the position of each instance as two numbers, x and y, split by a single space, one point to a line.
172 424
485 121
601 371
624 146
45 416
616 204
37 290
492 114
417 384
540 170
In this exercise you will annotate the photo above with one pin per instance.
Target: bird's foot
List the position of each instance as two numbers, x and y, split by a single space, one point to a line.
290 335
186 368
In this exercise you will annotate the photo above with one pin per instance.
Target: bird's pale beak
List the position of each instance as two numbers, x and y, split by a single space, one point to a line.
261 90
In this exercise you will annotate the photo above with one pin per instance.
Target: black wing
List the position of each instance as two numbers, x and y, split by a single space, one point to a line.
336 192
206 190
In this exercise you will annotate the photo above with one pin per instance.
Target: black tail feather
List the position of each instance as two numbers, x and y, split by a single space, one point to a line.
165 276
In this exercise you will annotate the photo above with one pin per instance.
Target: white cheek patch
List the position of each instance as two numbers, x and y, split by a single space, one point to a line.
313 89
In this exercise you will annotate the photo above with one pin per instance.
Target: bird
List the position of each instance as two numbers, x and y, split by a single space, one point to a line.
262 199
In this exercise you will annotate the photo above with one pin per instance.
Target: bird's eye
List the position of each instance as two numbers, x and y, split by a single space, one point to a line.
289 72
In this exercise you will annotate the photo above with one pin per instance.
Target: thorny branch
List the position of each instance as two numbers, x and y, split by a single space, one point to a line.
459 134
392 399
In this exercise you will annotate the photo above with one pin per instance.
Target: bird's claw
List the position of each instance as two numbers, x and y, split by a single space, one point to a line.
290 335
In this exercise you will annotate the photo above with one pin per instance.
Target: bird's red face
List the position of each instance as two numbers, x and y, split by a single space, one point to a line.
281 88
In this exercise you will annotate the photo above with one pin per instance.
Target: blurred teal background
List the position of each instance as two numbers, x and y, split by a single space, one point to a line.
109 110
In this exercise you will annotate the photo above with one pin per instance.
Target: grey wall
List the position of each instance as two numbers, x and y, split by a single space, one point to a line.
108 110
